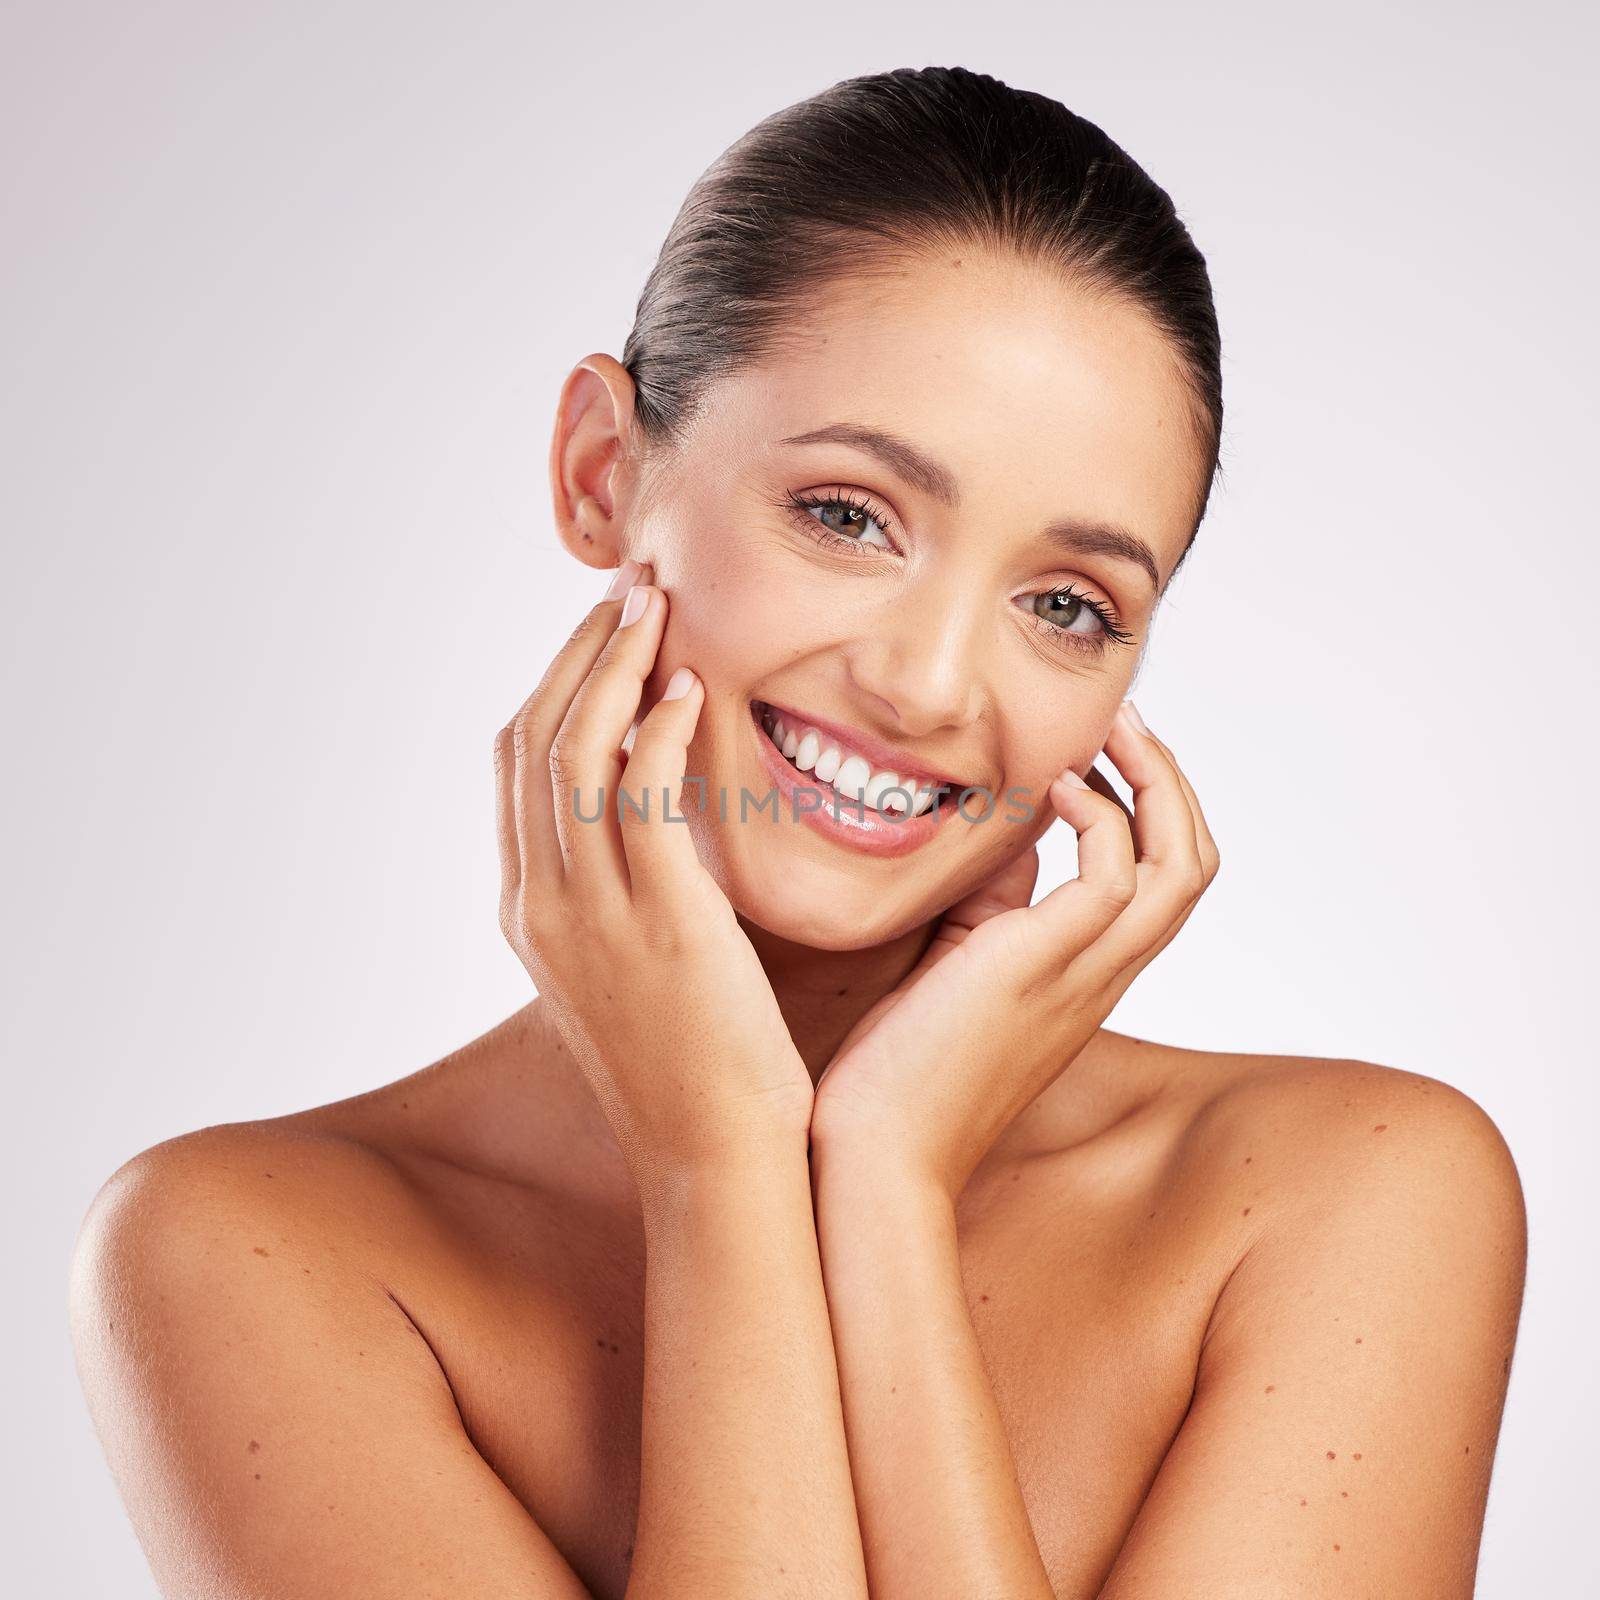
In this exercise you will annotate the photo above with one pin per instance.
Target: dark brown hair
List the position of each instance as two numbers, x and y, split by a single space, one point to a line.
879 166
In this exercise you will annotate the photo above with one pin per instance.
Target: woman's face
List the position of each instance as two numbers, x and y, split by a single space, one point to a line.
968 600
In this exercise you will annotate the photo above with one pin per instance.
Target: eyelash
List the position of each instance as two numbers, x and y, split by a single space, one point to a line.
801 505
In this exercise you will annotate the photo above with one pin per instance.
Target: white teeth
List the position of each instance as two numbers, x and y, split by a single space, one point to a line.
851 775
851 778
888 794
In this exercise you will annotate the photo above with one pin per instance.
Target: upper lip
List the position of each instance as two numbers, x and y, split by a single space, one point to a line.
885 757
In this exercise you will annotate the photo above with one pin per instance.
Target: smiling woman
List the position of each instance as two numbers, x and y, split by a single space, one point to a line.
808 1233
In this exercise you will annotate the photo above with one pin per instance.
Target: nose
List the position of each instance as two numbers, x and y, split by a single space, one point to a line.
922 661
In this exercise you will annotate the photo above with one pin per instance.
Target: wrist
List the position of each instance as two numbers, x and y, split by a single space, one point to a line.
725 1174
876 1171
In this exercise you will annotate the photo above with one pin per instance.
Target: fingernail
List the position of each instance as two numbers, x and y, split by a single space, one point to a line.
1132 713
1069 776
633 606
678 685
627 573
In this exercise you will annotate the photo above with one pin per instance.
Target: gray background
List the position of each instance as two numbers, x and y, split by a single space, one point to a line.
289 291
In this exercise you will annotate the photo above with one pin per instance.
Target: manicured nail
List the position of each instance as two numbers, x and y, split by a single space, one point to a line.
1132 713
678 685
1069 776
633 606
627 573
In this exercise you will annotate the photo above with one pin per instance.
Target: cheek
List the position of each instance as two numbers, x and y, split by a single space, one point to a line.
1051 731
737 615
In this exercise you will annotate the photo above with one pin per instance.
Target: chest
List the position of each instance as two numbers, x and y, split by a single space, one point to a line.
1089 1316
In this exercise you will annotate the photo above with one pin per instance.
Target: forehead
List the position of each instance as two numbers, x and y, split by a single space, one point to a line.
1042 398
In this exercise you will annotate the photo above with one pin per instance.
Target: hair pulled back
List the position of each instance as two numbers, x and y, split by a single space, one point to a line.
895 162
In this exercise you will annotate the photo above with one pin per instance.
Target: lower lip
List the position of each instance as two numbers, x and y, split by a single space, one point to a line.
837 816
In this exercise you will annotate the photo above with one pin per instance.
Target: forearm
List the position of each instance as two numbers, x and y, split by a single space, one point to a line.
745 1488
941 1510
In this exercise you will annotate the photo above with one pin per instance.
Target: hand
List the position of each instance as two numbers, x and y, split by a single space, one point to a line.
1008 993
630 942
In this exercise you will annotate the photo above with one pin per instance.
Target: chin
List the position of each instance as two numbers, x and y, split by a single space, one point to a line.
809 902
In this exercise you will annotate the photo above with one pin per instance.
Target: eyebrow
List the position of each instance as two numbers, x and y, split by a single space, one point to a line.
936 481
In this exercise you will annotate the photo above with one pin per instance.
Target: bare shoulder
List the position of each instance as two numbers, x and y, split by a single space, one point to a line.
287 1186
1354 1367
353 1177
200 1241
273 1415
1314 1136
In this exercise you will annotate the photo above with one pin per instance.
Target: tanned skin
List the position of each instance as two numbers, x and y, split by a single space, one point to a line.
809 1234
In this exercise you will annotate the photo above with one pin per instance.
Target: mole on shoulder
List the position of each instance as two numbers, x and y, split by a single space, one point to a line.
261 1252
1331 1456
1380 1127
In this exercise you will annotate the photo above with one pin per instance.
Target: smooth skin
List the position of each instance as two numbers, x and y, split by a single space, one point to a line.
809 1234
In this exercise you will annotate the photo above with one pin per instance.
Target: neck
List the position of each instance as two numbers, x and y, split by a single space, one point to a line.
824 993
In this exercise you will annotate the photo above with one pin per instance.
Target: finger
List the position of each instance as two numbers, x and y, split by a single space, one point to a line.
505 807
1210 860
532 730
1163 823
1210 855
1009 889
1076 913
1101 784
664 869
586 760
1170 872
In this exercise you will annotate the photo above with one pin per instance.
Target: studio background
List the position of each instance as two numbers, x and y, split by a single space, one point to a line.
289 292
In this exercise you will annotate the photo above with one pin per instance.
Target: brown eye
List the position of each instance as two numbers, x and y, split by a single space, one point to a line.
1076 620
1069 612
841 521
851 522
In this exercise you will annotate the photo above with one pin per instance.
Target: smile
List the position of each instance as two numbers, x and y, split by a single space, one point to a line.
838 793
831 761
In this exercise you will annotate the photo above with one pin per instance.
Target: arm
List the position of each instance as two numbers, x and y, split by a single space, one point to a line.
1008 992
745 1489
667 1011
1006 995
942 1513
278 1424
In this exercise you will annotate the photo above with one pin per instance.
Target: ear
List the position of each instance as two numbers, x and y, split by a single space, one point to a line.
592 460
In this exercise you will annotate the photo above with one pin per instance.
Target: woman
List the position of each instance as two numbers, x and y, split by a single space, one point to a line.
808 1230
